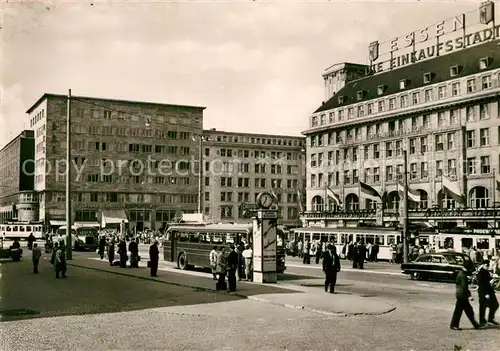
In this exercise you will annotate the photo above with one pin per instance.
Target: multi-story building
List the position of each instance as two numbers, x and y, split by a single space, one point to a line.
239 166
444 111
131 161
18 201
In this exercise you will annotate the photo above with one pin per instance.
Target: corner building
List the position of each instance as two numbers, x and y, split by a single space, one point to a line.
132 161
444 111
18 200
239 166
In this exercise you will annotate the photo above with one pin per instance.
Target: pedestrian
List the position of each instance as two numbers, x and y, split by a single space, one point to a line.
122 251
31 240
154 257
306 253
61 261
111 251
375 250
331 266
36 254
221 270
487 297
134 254
248 256
462 304
232 266
102 246
299 248
53 257
318 252
212 258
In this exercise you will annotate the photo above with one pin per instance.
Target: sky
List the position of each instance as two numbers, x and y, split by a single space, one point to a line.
255 65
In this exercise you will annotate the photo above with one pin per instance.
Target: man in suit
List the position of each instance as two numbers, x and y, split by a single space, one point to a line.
331 266
462 304
154 257
486 294
232 266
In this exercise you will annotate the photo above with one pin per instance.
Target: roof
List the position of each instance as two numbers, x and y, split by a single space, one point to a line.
222 132
371 230
467 59
48 95
25 134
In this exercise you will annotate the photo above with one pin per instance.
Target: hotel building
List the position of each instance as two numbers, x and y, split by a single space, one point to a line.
239 166
132 161
18 201
445 111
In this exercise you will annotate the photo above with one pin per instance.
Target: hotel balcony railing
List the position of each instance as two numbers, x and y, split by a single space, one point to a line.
481 213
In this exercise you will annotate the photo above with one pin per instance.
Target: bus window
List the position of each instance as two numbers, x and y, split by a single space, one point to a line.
360 237
370 238
380 239
316 236
466 243
447 243
8 228
21 228
483 244
14 228
183 237
333 238
230 238
497 244
28 228
391 239
194 237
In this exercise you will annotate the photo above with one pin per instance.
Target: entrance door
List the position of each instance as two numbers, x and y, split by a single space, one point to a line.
139 227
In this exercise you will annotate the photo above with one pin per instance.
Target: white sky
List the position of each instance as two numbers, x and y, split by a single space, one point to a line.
256 66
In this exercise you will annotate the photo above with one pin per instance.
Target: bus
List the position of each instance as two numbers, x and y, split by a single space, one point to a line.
82 237
190 245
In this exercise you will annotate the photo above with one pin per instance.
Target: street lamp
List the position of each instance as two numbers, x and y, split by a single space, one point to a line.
200 138
69 245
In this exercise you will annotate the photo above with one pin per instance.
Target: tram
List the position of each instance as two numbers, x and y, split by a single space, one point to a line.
21 230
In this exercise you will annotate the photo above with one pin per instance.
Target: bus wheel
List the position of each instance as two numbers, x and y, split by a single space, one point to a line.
182 261
415 276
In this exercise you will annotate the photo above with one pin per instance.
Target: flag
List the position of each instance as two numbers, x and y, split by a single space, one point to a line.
453 189
413 195
334 196
273 193
299 198
369 190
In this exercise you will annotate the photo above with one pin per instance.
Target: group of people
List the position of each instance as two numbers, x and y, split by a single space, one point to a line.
235 262
486 295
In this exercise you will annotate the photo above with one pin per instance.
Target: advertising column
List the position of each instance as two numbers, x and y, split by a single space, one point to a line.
264 246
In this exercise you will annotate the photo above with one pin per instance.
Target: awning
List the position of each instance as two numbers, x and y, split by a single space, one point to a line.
55 223
113 217
86 224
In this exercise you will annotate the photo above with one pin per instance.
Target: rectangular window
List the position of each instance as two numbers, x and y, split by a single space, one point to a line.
439 144
471 114
403 101
484 111
471 85
484 137
471 138
485 164
392 104
471 165
416 98
455 89
427 95
442 92
486 82
450 141
424 170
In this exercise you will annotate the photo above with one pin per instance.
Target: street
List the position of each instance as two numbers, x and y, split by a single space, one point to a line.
100 310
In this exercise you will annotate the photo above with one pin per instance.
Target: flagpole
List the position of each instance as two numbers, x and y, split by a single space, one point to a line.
405 208
442 200
494 198
326 199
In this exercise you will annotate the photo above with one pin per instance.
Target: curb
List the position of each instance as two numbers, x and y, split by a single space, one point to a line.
325 313
155 280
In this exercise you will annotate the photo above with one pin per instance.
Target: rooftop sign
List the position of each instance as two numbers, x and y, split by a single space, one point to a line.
449 35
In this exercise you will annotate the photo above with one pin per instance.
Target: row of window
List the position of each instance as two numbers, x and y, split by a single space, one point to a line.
256 154
415 124
245 182
229 212
227 196
453 89
133 215
259 140
37 117
442 142
124 198
417 170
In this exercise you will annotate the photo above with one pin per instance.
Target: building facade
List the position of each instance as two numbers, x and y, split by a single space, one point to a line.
239 166
18 201
131 161
444 111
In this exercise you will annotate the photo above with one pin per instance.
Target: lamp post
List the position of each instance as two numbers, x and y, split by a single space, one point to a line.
200 138
405 206
69 244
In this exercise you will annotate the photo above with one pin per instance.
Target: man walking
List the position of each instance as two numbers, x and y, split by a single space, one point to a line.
462 304
232 266
486 294
61 261
154 257
36 254
213 261
248 255
331 266
221 270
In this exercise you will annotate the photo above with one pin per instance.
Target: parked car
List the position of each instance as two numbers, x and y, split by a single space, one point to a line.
443 266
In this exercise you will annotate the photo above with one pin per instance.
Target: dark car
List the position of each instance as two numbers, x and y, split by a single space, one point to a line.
443 266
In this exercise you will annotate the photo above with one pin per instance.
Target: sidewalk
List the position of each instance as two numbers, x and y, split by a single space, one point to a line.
281 294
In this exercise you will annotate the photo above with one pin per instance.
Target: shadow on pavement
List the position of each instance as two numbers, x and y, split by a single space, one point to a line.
86 291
